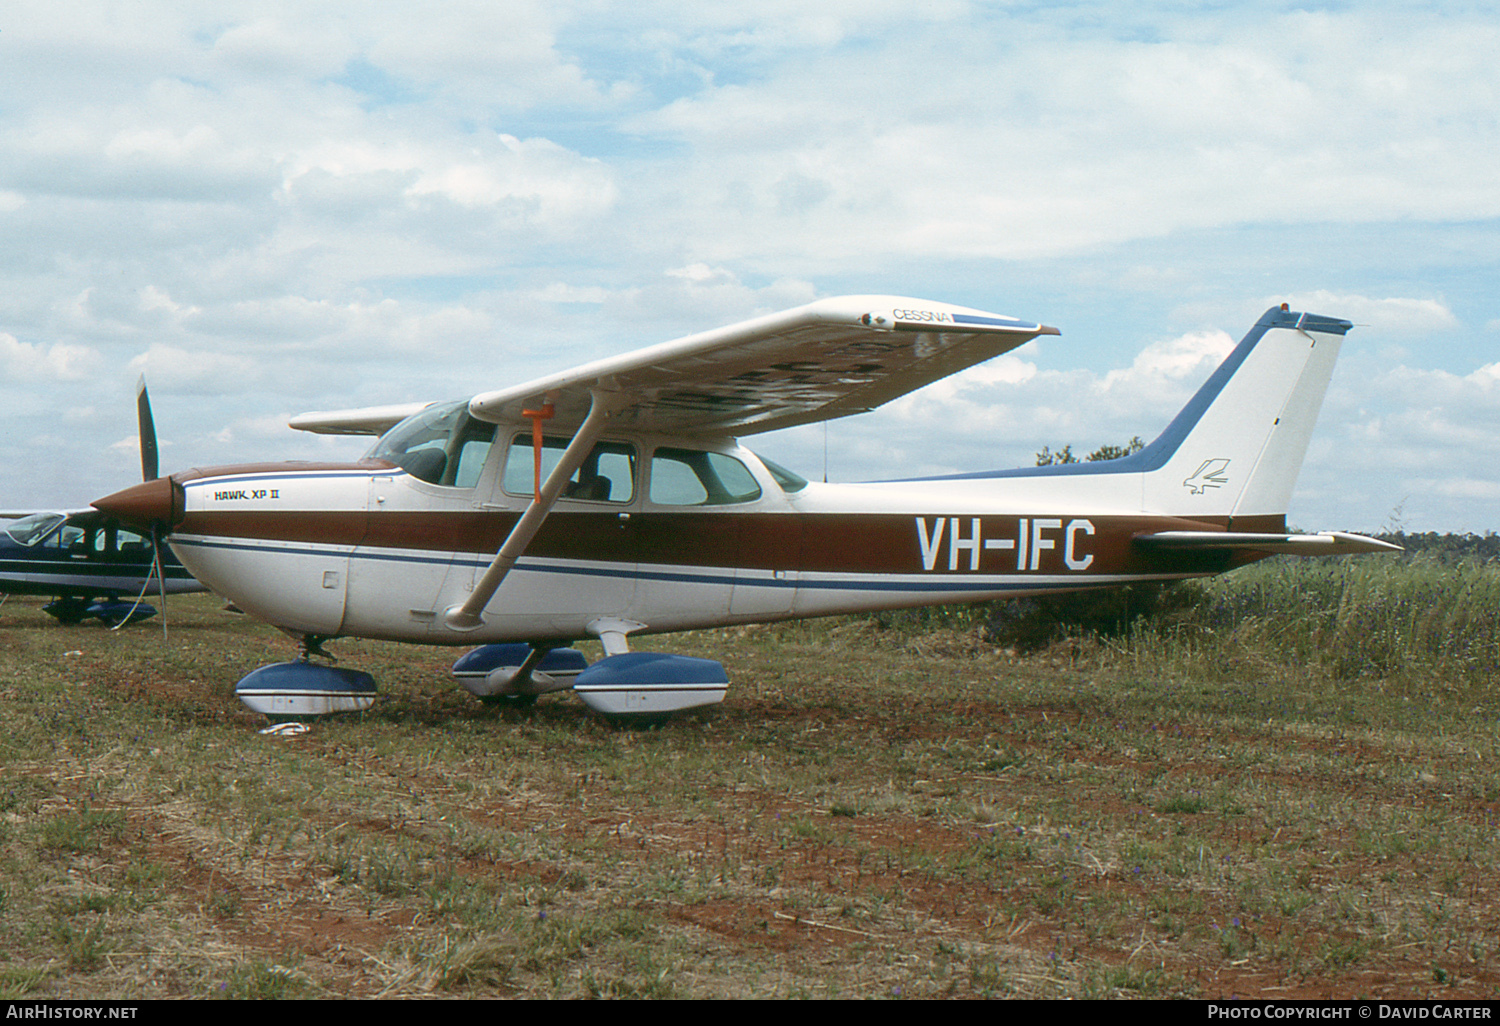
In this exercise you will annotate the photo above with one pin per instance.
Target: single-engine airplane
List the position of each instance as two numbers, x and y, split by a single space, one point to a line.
613 499
88 562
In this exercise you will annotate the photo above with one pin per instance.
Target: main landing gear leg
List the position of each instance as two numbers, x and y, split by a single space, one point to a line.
523 693
310 645
515 674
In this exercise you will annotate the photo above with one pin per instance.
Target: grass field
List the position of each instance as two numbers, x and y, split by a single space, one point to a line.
1288 791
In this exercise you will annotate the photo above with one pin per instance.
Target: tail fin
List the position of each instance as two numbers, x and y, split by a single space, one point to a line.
1234 451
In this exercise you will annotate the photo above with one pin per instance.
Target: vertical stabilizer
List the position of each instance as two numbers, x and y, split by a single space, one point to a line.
1236 448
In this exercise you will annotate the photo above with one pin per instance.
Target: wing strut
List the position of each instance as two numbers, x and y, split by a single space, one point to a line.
466 617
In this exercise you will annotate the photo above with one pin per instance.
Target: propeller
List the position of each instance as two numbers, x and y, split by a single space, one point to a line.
149 472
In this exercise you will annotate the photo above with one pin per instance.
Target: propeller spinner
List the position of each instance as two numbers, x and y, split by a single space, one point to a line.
155 503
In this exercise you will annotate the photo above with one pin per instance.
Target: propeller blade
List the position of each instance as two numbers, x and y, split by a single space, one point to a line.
148 432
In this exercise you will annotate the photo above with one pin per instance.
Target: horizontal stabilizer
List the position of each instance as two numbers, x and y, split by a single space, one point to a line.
1326 543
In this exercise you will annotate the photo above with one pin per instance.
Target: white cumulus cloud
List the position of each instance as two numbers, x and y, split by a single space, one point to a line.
23 361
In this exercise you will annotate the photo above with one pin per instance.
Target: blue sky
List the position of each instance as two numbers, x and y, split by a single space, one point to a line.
276 207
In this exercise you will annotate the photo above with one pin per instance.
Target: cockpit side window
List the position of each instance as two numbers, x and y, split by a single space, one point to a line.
471 448
693 477
607 474
441 445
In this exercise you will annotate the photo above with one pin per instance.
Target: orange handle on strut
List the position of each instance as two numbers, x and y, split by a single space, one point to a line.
537 416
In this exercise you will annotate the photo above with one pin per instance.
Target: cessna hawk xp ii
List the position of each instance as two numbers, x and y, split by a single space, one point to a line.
613 499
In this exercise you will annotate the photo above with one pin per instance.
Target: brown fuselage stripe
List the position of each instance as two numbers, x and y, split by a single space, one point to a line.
863 543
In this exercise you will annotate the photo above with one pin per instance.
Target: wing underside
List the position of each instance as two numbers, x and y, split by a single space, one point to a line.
828 359
369 420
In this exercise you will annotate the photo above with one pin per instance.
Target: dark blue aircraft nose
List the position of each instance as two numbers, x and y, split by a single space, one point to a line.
157 502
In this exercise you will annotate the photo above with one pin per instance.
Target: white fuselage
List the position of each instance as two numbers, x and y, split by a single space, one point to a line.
373 551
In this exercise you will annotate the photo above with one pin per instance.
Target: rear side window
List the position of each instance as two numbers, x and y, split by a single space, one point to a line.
692 477
786 480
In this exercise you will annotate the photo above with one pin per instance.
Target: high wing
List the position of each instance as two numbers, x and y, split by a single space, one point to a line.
828 359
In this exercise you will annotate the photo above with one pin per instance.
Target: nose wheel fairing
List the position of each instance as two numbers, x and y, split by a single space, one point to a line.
298 689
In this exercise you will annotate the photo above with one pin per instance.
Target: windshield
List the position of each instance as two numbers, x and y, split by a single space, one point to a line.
442 445
32 529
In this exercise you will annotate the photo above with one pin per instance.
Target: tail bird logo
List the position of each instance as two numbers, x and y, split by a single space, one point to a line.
1209 475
